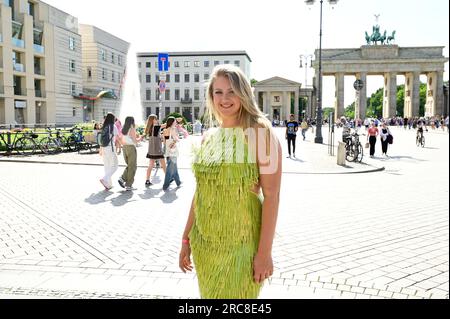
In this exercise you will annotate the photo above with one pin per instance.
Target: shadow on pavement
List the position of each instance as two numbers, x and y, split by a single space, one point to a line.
122 199
150 193
402 157
98 198
169 196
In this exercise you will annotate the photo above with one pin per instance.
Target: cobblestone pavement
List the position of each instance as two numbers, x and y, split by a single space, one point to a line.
376 235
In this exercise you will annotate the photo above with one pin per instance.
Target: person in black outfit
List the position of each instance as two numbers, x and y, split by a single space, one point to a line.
291 134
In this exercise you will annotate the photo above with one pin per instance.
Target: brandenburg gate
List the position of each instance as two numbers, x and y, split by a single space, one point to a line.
387 60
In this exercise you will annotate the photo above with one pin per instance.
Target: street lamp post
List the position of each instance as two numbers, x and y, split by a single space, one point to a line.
319 138
306 58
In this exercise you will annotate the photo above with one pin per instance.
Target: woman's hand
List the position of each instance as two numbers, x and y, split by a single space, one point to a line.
262 267
185 262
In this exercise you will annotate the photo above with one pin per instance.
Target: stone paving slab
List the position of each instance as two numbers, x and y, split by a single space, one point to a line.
379 235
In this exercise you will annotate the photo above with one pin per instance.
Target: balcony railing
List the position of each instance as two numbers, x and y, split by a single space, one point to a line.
40 93
186 101
19 67
20 91
18 43
38 71
38 48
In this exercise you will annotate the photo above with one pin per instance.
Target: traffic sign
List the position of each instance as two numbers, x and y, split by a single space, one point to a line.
358 85
162 86
163 62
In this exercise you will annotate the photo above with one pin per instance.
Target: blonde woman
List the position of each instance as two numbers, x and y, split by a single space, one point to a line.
232 221
155 151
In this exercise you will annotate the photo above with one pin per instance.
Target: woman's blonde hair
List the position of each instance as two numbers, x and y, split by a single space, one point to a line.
250 115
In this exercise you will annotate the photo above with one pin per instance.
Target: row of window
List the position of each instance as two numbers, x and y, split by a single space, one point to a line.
177 96
112 55
187 64
190 113
177 78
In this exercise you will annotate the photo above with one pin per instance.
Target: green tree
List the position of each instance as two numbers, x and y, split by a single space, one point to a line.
327 111
401 100
253 82
350 111
375 102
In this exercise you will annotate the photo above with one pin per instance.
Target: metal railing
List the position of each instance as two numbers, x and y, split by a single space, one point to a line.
38 49
18 43
40 93
20 91
186 101
38 71
19 67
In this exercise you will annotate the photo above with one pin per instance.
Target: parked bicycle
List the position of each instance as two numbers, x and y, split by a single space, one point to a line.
354 151
54 145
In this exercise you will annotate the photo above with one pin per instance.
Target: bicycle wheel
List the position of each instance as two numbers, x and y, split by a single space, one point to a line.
25 146
423 141
350 154
71 144
360 155
418 141
48 145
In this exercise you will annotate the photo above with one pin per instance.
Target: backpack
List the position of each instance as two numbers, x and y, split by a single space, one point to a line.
106 136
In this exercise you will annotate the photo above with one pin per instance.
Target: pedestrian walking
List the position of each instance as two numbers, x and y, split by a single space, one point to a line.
155 150
109 145
385 137
228 232
304 126
291 134
170 134
372 135
129 142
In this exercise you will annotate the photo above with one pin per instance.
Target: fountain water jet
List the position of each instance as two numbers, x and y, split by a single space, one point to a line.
131 104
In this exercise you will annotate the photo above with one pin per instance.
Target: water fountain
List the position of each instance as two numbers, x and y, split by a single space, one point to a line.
131 104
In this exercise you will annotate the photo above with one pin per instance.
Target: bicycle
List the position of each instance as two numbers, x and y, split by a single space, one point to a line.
5 138
354 151
420 139
26 145
54 145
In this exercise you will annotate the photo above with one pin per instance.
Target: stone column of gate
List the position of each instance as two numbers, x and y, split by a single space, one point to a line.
407 112
286 108
361 103
266 100
339 96
296 104
309 111
439 107
415 102
390 95
430 104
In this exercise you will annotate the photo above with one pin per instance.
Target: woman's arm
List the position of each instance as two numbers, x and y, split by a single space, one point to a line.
185 262
270 184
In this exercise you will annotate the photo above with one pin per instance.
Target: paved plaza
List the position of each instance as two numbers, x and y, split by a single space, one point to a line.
379 229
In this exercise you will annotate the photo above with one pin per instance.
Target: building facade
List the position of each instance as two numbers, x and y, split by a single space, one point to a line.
104 66
44 68
186 81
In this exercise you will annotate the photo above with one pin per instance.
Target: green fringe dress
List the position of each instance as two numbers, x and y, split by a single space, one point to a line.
226 231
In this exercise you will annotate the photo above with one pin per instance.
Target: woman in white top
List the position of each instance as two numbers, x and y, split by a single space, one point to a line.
108 152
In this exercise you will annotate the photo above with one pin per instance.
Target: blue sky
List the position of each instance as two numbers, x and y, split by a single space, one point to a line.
274 33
